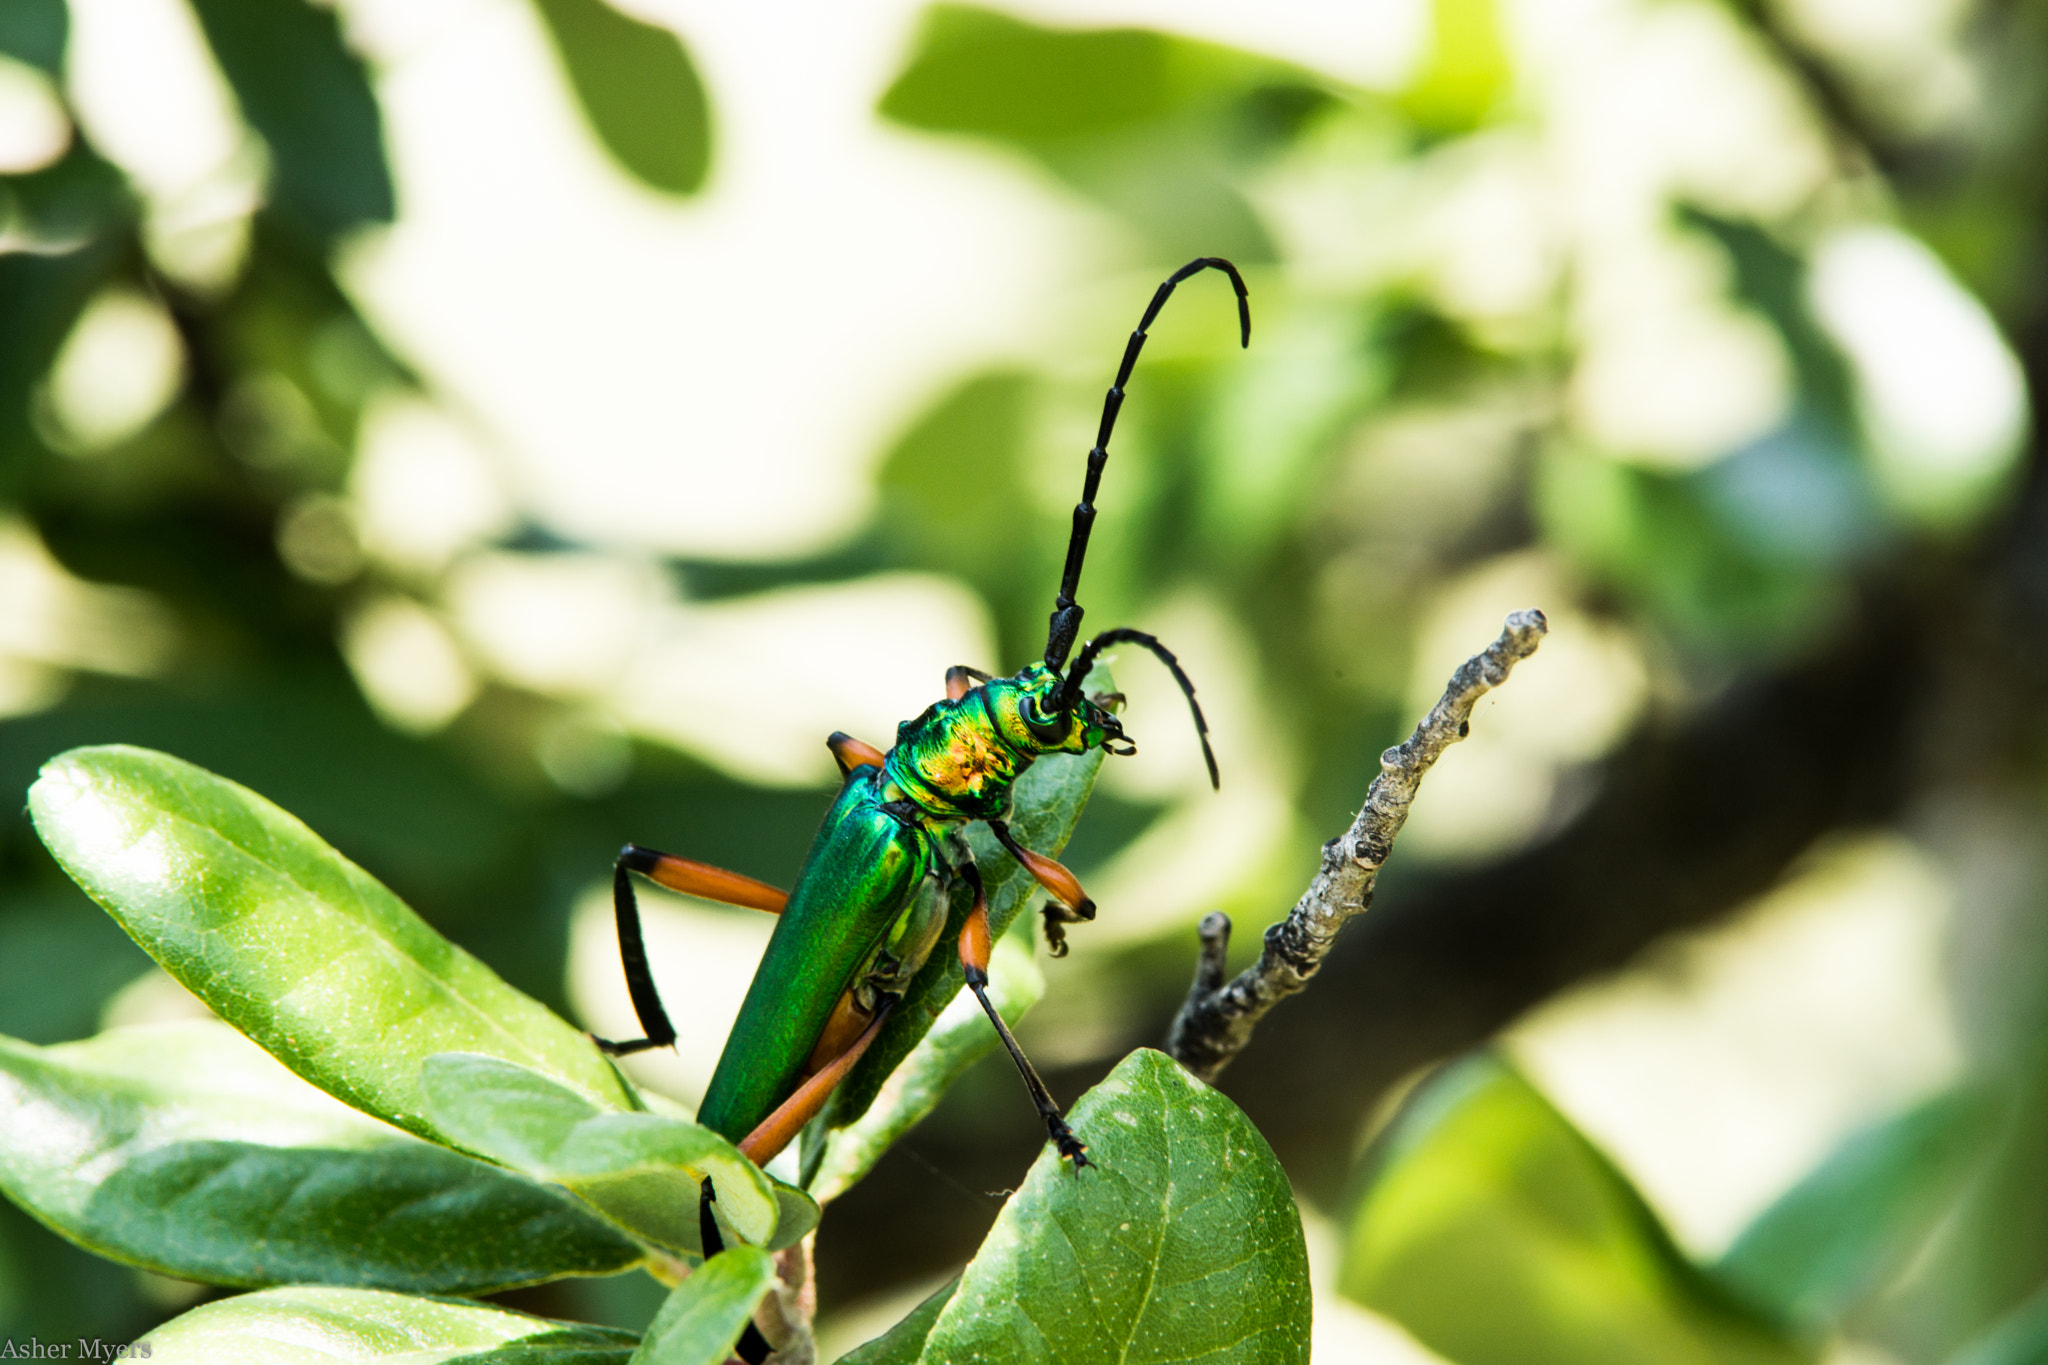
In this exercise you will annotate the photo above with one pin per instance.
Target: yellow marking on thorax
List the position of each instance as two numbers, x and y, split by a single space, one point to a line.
968 763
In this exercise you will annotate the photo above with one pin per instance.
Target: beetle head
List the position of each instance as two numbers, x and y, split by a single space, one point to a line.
1038 714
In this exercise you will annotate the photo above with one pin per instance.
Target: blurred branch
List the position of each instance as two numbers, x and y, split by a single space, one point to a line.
1218 1019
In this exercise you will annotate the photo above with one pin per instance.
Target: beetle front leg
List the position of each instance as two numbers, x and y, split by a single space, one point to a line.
1066 902
850 753
960 680
975 948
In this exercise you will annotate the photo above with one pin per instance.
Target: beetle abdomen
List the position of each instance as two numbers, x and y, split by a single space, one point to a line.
860 874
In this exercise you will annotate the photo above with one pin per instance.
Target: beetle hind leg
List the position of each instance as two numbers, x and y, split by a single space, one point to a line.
677 874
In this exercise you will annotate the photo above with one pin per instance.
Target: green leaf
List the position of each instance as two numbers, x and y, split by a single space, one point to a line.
641 1170
184 1149
1179 1241
904 1343
705 1315
309 96
1858 1218
961 1037
1049 799
639 90
308 1326
1481 1192
286 939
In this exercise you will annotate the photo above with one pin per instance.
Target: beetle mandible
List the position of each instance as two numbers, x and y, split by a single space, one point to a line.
869 904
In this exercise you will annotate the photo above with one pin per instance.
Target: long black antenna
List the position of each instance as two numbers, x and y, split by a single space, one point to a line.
1066 615
1070 691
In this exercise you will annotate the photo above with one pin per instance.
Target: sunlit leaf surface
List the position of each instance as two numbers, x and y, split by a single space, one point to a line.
286 939
643 1170
182 1148
303 1326
1178 1242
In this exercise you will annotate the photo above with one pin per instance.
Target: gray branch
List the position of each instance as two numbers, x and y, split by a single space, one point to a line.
1217 1020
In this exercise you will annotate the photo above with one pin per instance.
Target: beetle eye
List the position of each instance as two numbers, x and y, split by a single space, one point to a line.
1052 729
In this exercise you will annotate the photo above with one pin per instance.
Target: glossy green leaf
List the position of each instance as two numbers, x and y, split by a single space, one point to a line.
1860 1217
639 90
705 1315
1481 1192
904 1343
642 1170
309 1326
184 1149
309 96
286 939
1049 800
1180 1241
961 1037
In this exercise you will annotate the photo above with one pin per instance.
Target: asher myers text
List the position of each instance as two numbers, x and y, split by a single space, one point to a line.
82 1349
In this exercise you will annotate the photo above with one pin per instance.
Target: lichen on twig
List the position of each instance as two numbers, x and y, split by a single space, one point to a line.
1217 1020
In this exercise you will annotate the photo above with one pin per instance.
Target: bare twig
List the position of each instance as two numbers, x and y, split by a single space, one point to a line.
792 1304
1217 1020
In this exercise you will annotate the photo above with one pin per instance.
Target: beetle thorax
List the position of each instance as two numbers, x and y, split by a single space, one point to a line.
953 762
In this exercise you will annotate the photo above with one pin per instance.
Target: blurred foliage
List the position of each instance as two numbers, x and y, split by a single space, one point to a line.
1496 1233
310 101
1153 126
638 88
1395 435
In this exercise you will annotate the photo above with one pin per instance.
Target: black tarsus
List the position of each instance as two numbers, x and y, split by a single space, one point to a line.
1065 624
753 1347
1070 692
1069 1146
633 958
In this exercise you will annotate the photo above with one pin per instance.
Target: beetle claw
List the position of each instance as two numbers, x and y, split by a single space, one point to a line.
1055 935
1069 1146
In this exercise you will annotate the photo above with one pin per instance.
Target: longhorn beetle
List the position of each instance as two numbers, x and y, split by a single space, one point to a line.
870 902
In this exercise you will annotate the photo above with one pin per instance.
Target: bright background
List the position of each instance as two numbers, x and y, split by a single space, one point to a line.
496 433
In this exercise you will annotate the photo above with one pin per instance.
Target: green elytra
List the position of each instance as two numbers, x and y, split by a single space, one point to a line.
869 903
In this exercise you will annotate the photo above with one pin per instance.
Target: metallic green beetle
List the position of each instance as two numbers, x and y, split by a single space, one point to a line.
870 902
